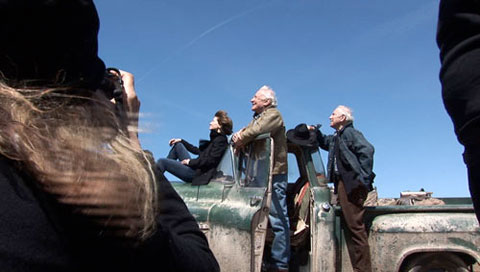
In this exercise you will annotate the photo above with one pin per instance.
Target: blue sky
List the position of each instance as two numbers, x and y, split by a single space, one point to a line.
192 57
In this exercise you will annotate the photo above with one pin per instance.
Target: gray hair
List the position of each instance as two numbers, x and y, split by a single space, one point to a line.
347 112
269 94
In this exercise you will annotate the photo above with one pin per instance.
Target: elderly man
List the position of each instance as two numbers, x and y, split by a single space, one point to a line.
350 163
266 119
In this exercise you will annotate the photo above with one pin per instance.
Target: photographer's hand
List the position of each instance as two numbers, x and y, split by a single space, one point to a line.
132 105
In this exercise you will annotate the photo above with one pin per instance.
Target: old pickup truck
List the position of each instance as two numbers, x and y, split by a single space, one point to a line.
232 210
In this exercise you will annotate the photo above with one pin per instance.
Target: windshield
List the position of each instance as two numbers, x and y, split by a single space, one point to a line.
293 173
225 168
318 164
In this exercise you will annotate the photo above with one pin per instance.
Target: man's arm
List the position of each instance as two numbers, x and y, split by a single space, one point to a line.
363 150
215 153
191 148
267 122
323 140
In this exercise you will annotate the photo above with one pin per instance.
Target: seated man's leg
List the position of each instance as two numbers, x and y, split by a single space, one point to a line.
176 168
280 254
178 152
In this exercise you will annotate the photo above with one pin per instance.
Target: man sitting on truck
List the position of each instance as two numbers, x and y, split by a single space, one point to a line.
350 163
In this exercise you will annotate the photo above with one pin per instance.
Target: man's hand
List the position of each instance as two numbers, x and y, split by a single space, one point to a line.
185 161
174 141
130 97
237 139
132 105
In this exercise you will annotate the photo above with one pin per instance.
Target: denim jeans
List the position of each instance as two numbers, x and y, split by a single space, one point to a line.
174 166
178 152
280 253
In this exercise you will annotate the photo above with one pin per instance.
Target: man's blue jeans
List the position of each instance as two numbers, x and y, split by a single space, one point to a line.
173 165
279 221
178 152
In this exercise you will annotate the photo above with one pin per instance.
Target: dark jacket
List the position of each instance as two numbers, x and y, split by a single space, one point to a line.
458 37
209 155
36 234
356 155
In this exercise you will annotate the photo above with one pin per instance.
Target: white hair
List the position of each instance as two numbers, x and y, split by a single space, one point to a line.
347 112
269 94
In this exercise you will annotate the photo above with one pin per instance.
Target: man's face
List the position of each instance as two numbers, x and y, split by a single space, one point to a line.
337 119
259 102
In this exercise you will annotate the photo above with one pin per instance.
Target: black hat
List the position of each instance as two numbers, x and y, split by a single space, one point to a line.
49 43
301 135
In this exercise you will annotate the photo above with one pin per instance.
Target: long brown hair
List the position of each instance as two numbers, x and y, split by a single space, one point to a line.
71 143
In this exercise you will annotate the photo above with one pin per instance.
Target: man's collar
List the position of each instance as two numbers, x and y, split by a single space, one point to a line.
256 115
345 126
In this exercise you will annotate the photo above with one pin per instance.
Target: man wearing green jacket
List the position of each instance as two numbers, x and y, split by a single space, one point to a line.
267 119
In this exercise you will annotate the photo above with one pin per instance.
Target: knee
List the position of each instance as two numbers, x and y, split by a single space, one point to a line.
177 146
160 165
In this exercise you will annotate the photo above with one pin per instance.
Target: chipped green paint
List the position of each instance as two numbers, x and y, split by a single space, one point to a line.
464 243
425 223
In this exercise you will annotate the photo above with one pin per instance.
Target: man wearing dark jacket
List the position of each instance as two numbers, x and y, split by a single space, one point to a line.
458 37
350 163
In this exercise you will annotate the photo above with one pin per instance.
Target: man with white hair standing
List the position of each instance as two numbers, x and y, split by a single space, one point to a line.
267 119
350 163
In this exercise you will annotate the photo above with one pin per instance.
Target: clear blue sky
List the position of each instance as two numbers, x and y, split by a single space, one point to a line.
193 57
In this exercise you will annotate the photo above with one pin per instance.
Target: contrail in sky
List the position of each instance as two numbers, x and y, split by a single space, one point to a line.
199 37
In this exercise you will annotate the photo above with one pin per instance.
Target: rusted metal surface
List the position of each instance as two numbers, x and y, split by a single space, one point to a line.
323 240
395 237
231 247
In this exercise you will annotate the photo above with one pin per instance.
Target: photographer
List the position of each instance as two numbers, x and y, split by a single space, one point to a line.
78 192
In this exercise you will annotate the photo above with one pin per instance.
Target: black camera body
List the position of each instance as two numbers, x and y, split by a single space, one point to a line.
112 85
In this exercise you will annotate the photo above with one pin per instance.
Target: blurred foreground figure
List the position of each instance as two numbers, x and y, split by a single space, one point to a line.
77 191
458 37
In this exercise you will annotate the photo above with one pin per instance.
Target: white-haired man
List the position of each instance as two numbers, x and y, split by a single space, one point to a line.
350 164
267 119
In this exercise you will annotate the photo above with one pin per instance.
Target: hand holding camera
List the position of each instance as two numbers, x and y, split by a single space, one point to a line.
119 85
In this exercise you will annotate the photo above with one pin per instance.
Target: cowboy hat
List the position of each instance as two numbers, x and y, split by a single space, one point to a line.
301 135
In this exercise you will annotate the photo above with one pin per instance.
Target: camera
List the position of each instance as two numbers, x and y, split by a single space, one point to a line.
112 85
